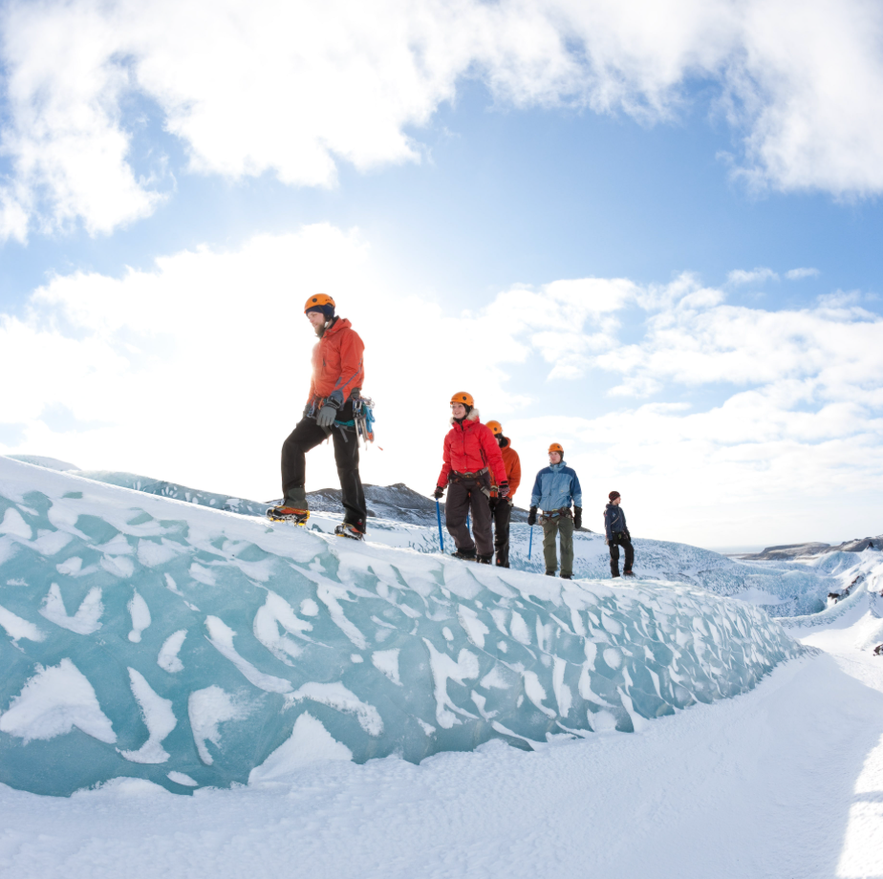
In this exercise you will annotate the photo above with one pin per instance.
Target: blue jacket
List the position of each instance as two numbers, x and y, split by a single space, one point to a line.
556 486
614 520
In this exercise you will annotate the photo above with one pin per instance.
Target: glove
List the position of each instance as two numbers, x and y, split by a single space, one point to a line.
532 516
504 489
439 491
577 517
326 416
328 412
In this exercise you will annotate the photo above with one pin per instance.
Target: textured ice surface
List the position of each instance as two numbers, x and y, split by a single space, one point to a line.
141 636
782 588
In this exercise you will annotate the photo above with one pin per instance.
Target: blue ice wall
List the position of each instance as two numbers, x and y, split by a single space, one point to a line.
144 637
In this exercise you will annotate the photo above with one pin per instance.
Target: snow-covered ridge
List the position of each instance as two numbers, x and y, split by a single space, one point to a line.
142 636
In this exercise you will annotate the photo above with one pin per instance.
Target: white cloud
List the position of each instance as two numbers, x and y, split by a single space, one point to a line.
68 149
295 88
741 277
800 274
197 370
833 343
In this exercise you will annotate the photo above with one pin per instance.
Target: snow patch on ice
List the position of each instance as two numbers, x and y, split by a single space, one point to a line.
168 659
18 628
53 702
207 709
87 618
337 696
309 742
158 717
14 524
140 613
387 661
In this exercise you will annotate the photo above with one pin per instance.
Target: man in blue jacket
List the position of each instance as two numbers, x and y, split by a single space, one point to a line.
555 489
618 536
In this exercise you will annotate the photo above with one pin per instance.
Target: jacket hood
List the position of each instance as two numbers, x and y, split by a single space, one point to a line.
340 323
472 416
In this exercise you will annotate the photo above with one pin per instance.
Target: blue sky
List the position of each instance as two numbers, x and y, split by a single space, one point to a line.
647 231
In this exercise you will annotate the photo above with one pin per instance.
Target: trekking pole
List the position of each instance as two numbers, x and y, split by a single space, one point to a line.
530 543
441 540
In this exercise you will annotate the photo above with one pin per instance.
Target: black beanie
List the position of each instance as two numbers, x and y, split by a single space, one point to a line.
613 495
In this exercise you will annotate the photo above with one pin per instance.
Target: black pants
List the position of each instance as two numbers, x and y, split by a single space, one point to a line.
465 495
621 539
501 510
307 435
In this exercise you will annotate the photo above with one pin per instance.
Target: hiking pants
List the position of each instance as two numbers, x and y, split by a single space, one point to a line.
307 435
621 539
465 495
501 510
562 525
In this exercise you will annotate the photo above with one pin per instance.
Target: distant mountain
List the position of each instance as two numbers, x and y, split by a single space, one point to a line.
396 502
804 550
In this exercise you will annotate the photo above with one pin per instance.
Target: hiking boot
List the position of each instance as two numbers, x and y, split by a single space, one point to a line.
614 574
467 555
281 513
483 559
628 573
351 530
567 576
551 573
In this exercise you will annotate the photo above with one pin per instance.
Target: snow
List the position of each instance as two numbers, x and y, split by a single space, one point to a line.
159 718
206 710
302 741
52 703
84 622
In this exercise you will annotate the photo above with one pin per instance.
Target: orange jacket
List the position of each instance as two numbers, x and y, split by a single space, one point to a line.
337 362
470 447
512 463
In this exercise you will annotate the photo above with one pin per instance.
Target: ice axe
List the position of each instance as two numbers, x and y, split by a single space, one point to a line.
530 543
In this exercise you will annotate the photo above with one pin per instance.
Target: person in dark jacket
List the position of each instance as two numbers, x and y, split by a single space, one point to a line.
618 536
472 462
338 374
555 489
501 507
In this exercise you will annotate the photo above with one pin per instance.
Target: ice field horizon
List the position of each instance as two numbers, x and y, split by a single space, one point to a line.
147 637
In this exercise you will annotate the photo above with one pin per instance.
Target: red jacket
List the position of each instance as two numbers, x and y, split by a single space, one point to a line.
337 362
512 463
470 447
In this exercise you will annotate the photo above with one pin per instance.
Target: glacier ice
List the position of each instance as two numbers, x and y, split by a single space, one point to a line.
144 637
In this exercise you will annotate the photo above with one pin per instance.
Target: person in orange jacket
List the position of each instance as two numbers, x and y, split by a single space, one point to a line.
338 374
501 507
472 462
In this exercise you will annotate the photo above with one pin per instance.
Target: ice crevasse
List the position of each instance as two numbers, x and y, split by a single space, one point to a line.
141 636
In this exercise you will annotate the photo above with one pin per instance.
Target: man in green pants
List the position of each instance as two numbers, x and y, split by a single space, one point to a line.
555 489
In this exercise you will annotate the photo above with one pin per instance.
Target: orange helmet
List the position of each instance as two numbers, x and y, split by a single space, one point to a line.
557 447
464 398
319 302
496 427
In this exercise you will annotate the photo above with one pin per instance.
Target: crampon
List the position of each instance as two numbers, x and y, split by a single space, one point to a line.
345 529
282 513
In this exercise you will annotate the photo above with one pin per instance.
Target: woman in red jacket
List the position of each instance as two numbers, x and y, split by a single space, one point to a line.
472 461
